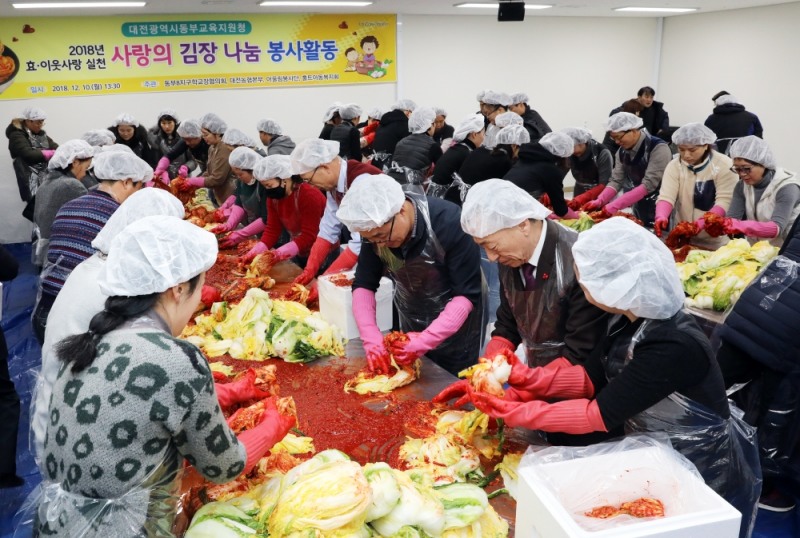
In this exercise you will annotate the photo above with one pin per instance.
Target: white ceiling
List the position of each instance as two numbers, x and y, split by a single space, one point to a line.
562 8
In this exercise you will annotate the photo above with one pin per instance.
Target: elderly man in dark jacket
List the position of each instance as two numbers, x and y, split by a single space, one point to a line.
730 121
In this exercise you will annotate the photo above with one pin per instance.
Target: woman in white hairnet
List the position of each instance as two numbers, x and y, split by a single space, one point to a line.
130 133
131 401
30 148
293 207
271 135
346 133
492 105
655 370
218 176
78 222
191 146
415 155
442 130
330 120
698 181
590 163
80 298
248 203
541 167
439 289
445 182
766 200
165 138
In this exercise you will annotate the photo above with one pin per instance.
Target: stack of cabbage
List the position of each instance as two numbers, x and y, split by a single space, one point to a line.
330 496
714 280
259 327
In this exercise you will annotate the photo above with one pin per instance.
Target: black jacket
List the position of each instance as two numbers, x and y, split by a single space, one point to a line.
444 133
393 128
656 120
733 121
139 144
199 153
325 133
535 125
19 145
482 164
536 172
449 164
349 140
417 152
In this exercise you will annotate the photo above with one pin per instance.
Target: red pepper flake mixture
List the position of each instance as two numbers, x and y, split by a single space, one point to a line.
341 280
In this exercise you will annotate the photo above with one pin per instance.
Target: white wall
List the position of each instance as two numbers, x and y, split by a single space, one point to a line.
749 52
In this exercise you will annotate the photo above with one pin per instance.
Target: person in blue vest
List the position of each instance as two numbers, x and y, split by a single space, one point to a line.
641 160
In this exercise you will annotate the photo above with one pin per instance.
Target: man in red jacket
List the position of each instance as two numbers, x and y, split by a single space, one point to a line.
317 162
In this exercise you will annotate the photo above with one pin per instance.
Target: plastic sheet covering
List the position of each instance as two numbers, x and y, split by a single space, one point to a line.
146 509
414 181
439 191
777 277
635 466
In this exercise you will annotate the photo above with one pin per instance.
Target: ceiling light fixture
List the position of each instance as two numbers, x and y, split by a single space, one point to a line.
56 5
303 3
489 5
657 9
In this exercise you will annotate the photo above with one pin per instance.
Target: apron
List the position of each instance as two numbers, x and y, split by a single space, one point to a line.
422 290
539 312
460 190
249 198
635 169
724 451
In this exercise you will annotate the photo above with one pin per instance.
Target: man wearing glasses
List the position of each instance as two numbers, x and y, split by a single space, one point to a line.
317 162
439 288
641 160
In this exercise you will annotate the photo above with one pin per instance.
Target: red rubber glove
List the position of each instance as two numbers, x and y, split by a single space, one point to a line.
497 345
48 154
313 293
209 295
570 416
364 312
606 196
258 248
319 251
661 222
183 171
582 199
272 429
458 390
346 261
558 379
241 390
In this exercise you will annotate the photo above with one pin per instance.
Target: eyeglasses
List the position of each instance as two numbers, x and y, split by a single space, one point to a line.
742 170
379 238
617 138
310 177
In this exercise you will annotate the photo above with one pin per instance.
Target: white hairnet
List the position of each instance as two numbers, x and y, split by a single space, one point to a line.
693 134
623 121
190 129
269 126
331 111
440 111
237 137
350 111
143 203
497 98
169 112
155 253
114 147
496 204
421 119
370 203
405 104
508 118
755 150
558 143
125 119
624 266
213 124
518 98
32 113
273 166
725 100
481 94
119 165
513 134
99 137
244 158
375 113
313 152
579 135
471 124
68 152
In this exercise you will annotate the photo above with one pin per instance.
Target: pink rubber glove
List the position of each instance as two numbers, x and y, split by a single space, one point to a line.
234 218
319 251
149 183
346 261
752 228
606 196
627 199
183 171
272 429
570 214
701 222
552 216
446 324
241 390
198 181
289 250
254 228
48 154
558 379
258 248
570 416
164 178
161 167
661 222
364 312
229 203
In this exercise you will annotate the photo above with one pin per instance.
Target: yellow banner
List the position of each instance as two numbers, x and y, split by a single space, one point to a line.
62 56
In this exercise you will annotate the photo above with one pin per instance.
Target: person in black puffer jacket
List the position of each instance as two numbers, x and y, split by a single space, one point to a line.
130 133
541 170
346 133
760 346
468 136
393 128
730 120
415 154
532 120
655 118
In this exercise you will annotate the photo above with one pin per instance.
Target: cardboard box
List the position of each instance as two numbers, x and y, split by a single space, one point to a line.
336 305
692 509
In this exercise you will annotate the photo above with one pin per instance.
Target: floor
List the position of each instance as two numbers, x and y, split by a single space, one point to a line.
24 355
